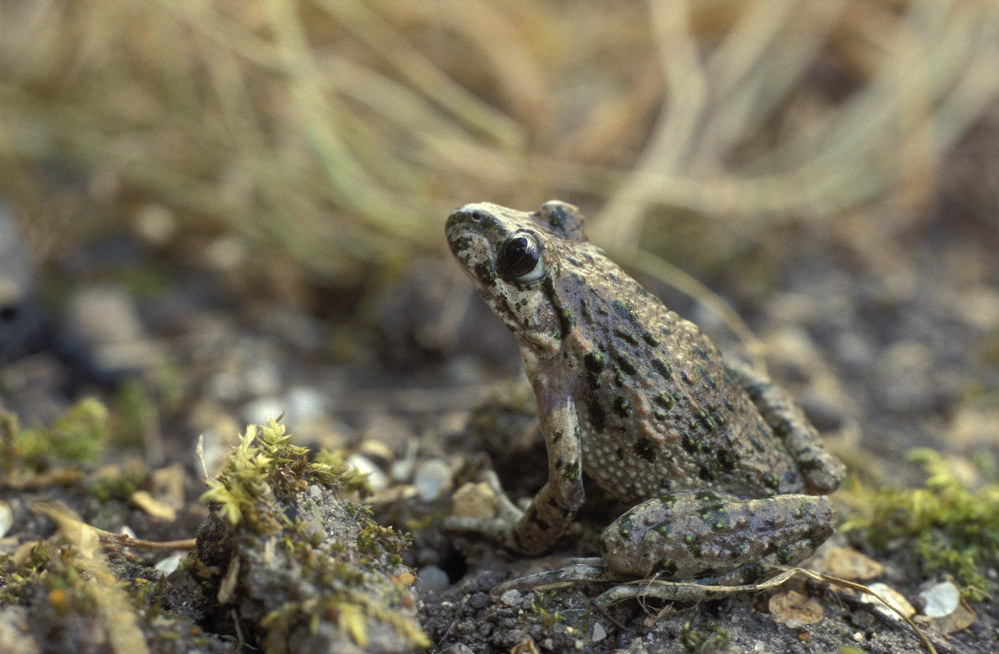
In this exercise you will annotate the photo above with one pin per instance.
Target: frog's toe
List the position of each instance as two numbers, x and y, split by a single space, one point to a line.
578 570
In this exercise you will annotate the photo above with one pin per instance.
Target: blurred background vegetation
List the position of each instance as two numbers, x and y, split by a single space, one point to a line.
334 136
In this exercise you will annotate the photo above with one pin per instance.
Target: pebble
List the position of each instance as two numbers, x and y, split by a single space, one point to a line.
170 564
511 597
432 479
6 518
944 608
377 479
474 500
305 403
259 410
941 600
431 579
893 598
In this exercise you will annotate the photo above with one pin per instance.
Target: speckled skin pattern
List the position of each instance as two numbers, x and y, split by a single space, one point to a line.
722 467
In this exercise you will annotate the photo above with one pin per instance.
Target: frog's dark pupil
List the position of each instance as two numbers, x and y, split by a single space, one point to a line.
520 256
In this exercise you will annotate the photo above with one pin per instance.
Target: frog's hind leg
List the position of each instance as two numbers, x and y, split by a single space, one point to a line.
691 535
822 471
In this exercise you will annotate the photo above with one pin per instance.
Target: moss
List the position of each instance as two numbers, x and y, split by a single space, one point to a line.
542 607
264 463
349 480
307 559
707 637
119 484
947 526
79 435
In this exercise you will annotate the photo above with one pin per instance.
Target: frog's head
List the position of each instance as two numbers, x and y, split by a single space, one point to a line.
513 259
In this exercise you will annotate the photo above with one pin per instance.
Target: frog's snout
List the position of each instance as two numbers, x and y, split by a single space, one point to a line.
464 217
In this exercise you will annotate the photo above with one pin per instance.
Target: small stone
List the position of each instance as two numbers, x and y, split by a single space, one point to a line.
946 611
431 579
155 223
848 563
599 633
14 634
474 500
305 403
365 466
6 518
511 597
478 600
170 564
105 322
432 479
940 600
376 451
795 609
892 598
259 410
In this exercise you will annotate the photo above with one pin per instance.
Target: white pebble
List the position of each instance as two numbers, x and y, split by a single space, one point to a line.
431 579
941 600
6 518
363 465
432 479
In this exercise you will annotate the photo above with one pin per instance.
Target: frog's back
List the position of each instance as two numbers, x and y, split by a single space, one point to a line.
658 409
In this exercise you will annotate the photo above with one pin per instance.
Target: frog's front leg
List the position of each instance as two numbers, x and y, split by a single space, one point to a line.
822 471
695 535
553 508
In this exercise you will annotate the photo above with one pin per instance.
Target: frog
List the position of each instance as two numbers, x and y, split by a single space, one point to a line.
723 472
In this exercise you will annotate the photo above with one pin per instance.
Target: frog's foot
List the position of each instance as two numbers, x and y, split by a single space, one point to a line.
684 591
579 570
596 570
501 528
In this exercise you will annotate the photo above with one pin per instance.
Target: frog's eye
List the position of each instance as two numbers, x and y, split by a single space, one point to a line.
520 259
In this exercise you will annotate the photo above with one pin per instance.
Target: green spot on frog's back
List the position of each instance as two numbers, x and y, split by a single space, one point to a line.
627 365
594 361
622 407
623 311
662 368
627 337
645 449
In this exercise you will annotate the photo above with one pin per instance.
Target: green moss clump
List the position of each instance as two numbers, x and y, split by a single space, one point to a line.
79 435
306 566
949 527
264 463
119 484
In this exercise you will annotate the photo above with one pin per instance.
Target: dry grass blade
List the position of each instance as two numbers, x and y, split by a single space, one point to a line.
118 614
343 132
687 590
